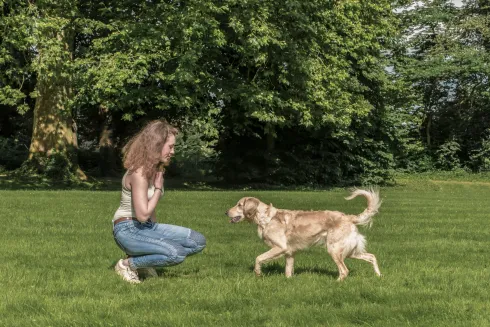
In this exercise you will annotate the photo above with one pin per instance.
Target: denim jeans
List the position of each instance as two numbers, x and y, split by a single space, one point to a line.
156 245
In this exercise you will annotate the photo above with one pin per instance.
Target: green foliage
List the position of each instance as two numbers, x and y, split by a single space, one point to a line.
374 165
154 57
480 158
57 167
305 157
447 156
442 60
12 152
346 90
12 97
295 90
16 52
307 72
14 138
195 155
402 124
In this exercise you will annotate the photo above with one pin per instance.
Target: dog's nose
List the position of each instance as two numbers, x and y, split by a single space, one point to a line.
226 212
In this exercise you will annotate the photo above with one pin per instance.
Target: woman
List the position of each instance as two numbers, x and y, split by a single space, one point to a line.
148 243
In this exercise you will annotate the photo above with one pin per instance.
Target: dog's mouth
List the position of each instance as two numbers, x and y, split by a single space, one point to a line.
236 219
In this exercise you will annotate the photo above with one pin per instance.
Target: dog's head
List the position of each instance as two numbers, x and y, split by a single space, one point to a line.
247 209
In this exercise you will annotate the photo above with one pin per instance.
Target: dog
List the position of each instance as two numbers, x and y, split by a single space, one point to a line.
288 231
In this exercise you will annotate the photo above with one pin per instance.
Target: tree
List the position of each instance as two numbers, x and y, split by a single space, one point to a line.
445 63
43 33
293 70
255 76
146 60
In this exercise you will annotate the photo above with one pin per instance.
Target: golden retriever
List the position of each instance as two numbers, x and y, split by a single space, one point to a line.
287 231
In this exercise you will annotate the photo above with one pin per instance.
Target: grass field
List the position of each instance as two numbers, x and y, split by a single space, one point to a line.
431 239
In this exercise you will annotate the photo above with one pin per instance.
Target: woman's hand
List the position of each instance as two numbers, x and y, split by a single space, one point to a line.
158 182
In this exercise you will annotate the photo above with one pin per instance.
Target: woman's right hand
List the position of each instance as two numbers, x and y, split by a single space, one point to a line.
158 182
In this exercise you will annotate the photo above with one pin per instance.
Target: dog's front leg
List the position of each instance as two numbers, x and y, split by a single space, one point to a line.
289 265
273 253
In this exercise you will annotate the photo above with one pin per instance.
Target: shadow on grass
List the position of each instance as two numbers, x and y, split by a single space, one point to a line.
166 272
278 269
37 182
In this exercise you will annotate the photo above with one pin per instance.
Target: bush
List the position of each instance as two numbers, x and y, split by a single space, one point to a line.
195 157
57 166
480 158
447 156
303 157
13 152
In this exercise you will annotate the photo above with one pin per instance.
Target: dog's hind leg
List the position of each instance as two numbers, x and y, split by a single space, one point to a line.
289 265
369 258
338 257
273 253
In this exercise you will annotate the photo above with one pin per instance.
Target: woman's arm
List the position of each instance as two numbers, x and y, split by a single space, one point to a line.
143 207
154 216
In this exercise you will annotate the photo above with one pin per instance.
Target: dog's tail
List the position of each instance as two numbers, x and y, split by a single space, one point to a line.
372 196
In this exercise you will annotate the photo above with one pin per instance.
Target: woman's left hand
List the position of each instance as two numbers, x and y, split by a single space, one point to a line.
158 182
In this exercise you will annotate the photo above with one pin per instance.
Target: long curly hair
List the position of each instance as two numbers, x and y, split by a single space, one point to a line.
144 149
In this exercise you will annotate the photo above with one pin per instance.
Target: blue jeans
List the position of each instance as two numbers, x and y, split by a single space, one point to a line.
156 245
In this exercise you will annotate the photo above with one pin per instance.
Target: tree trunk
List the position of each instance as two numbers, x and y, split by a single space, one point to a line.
54 130
107 153
428 130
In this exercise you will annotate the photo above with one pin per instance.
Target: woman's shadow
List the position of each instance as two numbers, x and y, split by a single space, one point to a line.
161 272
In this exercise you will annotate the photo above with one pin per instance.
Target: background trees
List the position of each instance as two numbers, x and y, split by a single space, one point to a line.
444 64
291 92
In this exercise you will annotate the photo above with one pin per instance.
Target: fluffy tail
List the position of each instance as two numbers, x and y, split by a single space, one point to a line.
372 196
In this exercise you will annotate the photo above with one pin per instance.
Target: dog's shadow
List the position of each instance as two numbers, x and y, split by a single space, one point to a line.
267 269
278 269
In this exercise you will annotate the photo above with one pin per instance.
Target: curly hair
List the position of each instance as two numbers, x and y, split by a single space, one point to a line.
144 149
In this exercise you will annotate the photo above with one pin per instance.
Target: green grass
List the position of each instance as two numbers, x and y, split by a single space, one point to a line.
431 240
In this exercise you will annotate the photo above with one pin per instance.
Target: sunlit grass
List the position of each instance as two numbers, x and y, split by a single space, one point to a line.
431 240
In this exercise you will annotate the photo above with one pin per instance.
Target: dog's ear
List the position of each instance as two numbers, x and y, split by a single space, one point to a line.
250 207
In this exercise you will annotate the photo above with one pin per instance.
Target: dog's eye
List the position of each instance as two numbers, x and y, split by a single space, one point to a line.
239 204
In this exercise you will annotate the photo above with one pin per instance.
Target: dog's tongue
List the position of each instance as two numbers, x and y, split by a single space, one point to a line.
234 219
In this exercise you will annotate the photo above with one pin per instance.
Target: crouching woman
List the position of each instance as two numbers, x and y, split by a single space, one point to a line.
147 243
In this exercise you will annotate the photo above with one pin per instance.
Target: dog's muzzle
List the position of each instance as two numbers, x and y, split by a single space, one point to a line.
235 219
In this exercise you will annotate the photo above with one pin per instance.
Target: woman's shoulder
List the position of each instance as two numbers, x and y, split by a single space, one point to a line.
136 177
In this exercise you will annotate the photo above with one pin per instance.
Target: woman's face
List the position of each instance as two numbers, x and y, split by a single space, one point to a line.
168 150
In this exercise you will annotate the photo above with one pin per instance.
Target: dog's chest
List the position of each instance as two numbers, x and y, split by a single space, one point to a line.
260 232
266 225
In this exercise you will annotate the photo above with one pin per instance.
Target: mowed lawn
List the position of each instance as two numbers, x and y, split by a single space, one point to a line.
432 241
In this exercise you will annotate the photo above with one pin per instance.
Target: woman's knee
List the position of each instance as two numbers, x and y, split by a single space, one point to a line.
178 256
177 259
198 238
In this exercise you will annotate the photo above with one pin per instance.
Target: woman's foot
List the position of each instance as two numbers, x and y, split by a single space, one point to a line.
126 272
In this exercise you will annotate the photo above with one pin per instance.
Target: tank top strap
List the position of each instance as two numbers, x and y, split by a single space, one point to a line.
123 182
